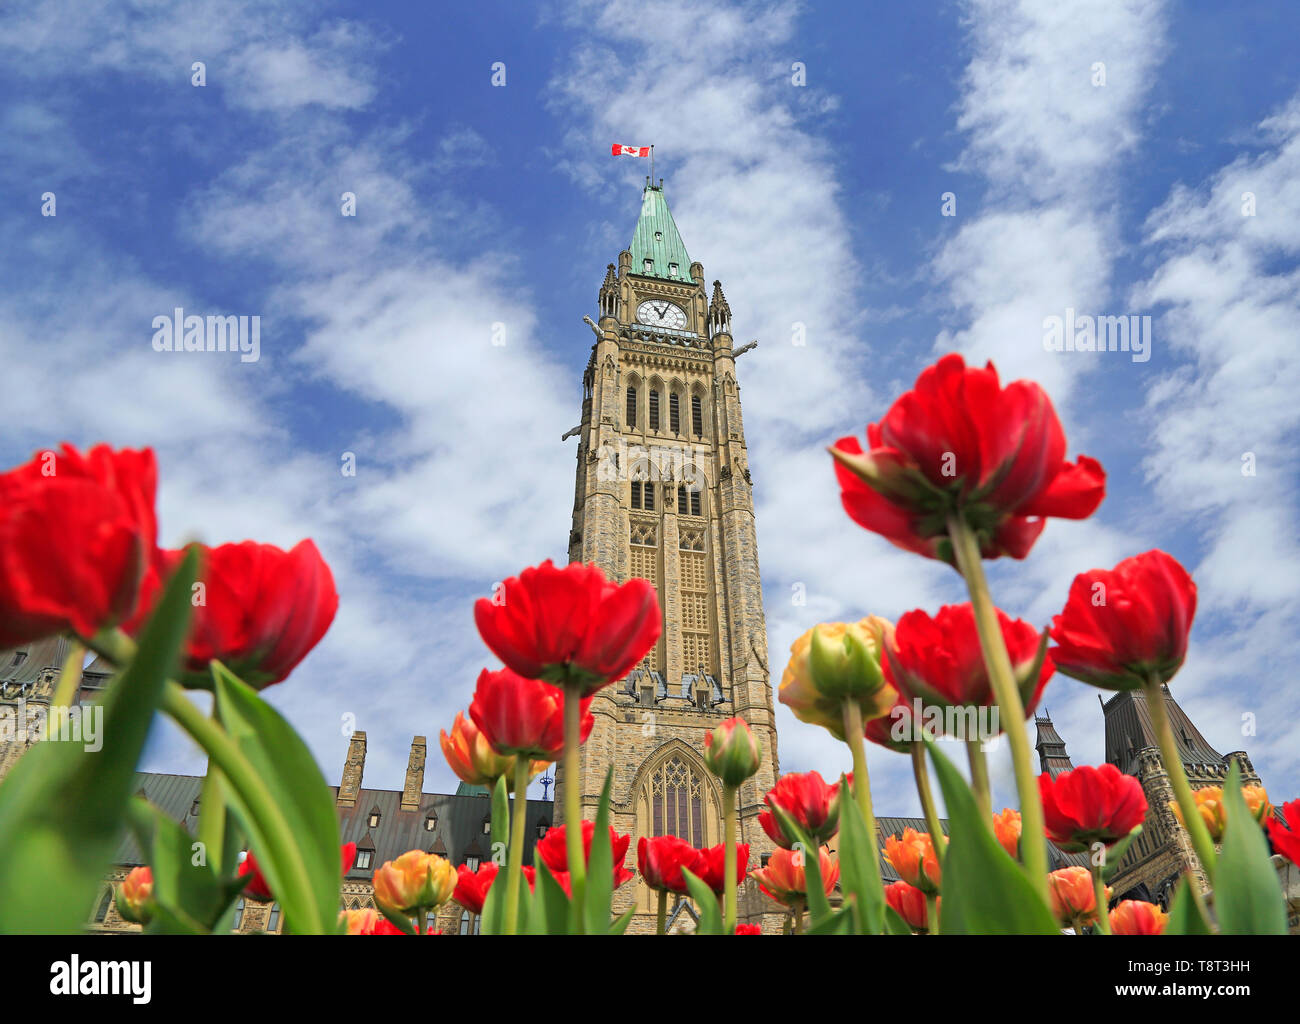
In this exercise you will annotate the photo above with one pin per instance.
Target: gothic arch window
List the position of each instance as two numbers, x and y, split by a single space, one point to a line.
239 915
674 413
678 799
101 911
273 918
631 406
697 415
653 408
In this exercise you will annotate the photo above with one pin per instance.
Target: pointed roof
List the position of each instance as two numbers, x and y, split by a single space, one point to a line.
1052 755
1129 729
657 239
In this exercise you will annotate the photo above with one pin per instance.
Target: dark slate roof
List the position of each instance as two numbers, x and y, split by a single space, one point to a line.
459 832
22 666
1052 755
1129 729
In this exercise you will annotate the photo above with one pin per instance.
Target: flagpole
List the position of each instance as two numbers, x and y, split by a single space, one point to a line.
652 164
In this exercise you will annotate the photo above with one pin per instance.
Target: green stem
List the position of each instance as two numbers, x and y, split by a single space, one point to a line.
979 777
729 860
1033 840
515 859
69 684
212 815
573 801
798 921
1103 911
263 811
931 913
1200 835
853 733
919 771
661 924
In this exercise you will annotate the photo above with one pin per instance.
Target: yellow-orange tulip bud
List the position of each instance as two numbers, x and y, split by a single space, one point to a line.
416 881
834 663
1209 804
134 896
473 758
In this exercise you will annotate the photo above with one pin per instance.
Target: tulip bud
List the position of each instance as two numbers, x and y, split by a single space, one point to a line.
415 882
912 856
1007 826
837 662
135 896
732 752
1136 917
1073 898
1209 803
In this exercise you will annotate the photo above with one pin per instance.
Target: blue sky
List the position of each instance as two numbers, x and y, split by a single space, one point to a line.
816 204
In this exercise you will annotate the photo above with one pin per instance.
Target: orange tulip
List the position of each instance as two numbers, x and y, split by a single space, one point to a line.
475 761
1209 802
1006 826
785 880
134 895
414 882
1137 917
912 856
1074 902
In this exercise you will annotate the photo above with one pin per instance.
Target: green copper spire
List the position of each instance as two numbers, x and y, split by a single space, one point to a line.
657 249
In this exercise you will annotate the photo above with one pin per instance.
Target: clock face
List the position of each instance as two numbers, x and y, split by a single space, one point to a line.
661 313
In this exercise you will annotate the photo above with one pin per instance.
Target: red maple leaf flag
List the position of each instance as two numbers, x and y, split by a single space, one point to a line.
617 150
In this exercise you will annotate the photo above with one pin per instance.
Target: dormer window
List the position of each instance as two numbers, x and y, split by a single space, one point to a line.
672 270
659 236
373 820
364 859
472 862
649 266
431 823
487 824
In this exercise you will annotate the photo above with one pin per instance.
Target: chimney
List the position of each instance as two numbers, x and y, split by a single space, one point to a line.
353 768
414 787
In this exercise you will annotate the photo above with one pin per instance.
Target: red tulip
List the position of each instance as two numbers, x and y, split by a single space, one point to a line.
135 896
661 860
524 717
909 903
749 929
1135 917
814 805
76 533
258 890
472 886
713 866
960 442
1091 805
938 660
1120 628
553 852
785 880
262 609
570 625
1284 831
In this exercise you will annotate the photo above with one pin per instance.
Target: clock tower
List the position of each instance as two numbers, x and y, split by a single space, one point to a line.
664 492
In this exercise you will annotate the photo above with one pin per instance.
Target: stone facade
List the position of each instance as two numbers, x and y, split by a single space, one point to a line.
664 492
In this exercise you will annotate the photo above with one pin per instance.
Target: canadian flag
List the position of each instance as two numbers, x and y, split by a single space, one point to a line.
617 150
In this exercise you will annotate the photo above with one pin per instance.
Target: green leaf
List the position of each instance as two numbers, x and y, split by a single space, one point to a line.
500 817
554 903
856 874
838 923
894 923
1185 917
985 892
706 902
620 926
61 807
1116 854
1248 896
290 773
600 868
192 898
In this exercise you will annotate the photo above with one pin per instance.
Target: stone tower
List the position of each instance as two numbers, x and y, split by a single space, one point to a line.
664 492
1159 857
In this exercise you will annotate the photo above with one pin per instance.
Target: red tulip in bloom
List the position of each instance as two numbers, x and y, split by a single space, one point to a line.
785 880
814 805
570 625
76 533
732 751
258 890
749 929
474 760
1119 628
524 717
961 443
371 922
909 903
1136 917
1286 840
938 660
661 860
134 896
553 852
1074 902
472 886
263 609
713 866
1007 827
1091 805
912 856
